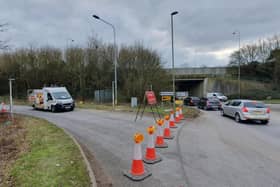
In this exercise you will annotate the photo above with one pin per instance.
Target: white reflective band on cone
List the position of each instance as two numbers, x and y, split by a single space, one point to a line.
151 143
177 113
166 124
171 117
159 131
137 152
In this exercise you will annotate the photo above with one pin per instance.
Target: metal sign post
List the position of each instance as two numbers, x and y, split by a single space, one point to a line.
150 99
113 95
11 97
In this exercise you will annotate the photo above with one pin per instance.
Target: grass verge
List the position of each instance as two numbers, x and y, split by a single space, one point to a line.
125 107
272 101
189 112
52 158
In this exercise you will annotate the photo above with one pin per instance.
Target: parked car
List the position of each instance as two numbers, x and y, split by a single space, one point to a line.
218 95
243 110
209 103
191 101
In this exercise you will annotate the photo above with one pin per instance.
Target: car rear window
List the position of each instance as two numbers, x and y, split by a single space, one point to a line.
254 105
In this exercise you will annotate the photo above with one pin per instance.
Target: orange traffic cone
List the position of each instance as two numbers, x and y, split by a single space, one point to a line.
151 157
181 113
177 116
167 132
137 172
171 121
160 141
3 107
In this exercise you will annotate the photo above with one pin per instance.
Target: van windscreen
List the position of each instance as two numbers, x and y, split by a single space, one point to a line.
61 95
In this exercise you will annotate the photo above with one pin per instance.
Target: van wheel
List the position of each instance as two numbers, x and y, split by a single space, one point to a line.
53 109
237 118
265 122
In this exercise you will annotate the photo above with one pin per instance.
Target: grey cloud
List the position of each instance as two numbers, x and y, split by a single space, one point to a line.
201 25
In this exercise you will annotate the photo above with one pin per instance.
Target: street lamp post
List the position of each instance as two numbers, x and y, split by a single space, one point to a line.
173 71
115 56
11 96
239 58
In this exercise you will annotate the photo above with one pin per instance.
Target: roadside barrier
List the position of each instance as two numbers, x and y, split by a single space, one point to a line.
151 156
159 140
167 132
177 117
171 121
137 172
3 107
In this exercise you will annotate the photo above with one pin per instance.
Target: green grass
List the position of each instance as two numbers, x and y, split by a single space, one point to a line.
53 160
272 101
6 100
162 110
20 102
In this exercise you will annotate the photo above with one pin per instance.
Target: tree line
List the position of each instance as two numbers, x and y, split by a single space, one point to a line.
84 69
259 61
3 43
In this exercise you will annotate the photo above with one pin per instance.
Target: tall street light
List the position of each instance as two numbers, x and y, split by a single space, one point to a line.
11 96
115 55
239 59
173 71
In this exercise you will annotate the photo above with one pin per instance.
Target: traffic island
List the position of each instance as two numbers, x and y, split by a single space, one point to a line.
37 153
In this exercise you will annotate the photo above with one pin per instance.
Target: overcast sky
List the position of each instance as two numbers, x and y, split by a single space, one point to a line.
202 29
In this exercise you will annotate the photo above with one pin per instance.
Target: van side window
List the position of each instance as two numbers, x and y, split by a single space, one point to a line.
49 97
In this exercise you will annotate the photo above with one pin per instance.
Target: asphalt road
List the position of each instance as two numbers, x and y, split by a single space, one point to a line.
209 151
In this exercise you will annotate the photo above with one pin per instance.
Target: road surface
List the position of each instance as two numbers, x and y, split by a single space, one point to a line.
209 151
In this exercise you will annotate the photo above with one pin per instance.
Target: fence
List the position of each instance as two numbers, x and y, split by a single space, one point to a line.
103 96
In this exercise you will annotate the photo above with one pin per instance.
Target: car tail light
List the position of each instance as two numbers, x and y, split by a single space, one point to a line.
268 110
244 109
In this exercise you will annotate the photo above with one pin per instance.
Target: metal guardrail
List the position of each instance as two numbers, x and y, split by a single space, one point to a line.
200 71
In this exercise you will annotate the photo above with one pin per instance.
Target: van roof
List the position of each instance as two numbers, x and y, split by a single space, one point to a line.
55 89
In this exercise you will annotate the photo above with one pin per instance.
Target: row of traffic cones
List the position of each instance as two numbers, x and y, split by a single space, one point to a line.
138 172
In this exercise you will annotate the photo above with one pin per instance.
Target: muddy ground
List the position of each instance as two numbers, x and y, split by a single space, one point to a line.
12 144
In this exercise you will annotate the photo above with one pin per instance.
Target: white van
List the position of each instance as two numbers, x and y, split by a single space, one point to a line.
218 95
51 98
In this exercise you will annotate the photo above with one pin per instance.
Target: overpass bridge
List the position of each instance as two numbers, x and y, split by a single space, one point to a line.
201 71
199 81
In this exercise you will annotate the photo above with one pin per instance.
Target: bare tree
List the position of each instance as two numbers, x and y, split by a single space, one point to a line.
257 52
140 67
3 43
249 53
263 50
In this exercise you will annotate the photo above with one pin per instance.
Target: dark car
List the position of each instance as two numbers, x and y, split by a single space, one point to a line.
209 103
191 101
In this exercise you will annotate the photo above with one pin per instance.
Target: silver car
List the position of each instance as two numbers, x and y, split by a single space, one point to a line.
243 110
